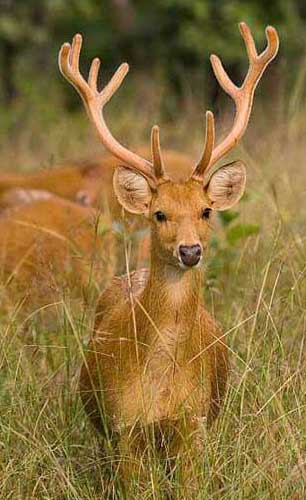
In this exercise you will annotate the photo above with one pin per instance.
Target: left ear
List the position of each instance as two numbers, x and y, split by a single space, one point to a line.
226 185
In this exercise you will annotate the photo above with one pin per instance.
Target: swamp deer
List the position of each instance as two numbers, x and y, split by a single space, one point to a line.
84 182
50 247
157 361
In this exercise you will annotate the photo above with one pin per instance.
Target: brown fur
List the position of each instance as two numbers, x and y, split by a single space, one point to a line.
48 246
88 182
66 180
156 357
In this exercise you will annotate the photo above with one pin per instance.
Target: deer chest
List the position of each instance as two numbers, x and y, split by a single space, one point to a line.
168 385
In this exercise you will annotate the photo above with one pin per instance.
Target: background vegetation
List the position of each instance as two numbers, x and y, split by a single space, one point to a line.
256 283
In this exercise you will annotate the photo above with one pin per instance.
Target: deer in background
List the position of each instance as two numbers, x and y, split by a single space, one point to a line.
50 248
86 182
157 360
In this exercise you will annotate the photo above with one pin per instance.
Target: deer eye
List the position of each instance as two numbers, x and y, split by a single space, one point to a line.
206 213
160 216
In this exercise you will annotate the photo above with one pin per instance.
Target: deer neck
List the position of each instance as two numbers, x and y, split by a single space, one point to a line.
171 293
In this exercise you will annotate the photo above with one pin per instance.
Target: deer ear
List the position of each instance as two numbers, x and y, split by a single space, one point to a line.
226 186
132 190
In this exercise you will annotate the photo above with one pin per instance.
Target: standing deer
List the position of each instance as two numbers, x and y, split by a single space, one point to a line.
157 360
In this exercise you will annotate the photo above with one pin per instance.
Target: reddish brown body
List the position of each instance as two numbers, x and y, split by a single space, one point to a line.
85 182
49 245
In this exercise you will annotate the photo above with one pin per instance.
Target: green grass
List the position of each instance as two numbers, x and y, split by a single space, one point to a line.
256 288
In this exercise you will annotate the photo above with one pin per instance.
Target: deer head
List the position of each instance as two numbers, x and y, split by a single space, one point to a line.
179 212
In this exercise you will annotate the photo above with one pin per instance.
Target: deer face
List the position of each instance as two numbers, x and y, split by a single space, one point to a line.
180 214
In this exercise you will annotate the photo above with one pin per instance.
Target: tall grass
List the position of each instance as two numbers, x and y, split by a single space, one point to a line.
255 287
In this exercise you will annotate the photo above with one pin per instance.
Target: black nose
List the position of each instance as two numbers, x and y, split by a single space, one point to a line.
190 255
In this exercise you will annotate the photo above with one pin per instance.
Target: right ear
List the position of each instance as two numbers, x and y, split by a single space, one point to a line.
132 190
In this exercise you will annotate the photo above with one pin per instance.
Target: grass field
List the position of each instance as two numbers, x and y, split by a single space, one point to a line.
255 286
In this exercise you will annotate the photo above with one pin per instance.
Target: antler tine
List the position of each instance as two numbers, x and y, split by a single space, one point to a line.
95 101
202 165
273 43
243 95
158 165
259 62
223 79
93 74
68 61
75 52
113 85
249 41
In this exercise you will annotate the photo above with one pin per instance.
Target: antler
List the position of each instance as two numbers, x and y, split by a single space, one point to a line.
208 147
242 96
95 101
154 171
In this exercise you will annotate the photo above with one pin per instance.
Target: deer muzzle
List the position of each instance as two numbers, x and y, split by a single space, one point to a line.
191 255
